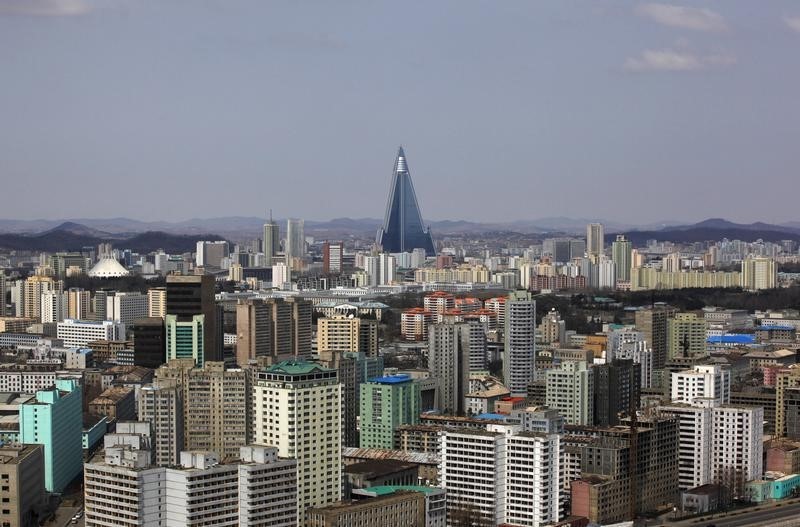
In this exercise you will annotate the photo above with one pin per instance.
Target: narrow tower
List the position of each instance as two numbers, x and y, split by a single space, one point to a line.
403 230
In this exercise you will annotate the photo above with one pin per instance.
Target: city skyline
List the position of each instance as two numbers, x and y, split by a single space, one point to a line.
692 104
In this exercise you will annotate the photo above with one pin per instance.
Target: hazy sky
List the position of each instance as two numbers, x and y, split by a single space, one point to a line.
638 112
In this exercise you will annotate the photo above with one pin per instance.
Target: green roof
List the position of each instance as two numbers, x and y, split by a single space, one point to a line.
383 490
296 367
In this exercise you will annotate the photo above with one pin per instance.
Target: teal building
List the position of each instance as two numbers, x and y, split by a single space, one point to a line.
185 338
55 420
386 403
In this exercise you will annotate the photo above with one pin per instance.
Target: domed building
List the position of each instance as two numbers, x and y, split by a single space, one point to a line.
108 268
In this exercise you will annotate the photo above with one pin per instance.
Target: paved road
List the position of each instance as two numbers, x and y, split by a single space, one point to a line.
63 517
768 515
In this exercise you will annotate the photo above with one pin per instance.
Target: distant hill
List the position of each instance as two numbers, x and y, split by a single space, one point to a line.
713 229
70 236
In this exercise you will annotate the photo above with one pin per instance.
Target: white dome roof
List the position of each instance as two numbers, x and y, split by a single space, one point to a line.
108 268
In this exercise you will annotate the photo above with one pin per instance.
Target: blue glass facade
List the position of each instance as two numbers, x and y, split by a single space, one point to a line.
403 230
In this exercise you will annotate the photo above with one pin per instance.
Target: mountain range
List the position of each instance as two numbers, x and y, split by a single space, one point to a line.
141 236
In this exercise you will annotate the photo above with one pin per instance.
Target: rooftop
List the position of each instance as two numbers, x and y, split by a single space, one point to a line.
382 490
293 367
398 378
376 468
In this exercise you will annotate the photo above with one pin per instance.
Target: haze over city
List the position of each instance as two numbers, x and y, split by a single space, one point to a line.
623 111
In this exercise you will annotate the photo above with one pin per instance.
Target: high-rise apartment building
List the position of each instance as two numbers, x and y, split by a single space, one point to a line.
347 333
79 304
621 256
686 336
652 323
570 390
22 491
161 404
354 369
386 403
595 242
79 333
332 257
3 289
519 364
54 420
192 295
157 302
280 329
297 408
759 273
501 476
215 405
53 307
122 487
211 254
403 229
126 307
701 382
616 391
448 361
32 290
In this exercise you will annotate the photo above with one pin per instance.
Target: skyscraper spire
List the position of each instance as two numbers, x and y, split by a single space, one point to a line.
403 230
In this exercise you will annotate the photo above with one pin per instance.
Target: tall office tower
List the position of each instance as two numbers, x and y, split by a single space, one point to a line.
212 254
386 403
595 242
126 307
192 295
702 382
403 230
519 364
758 273
253 330
2 293
501 476
347 333
332 257
621 256
157 302
448 361
79 303
33 289
54 420
22 492
295 242
686 336
653 323
215 404
53 307
184 338
570 390
161 404
149 342
617 387
297 408
271 242
100 303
